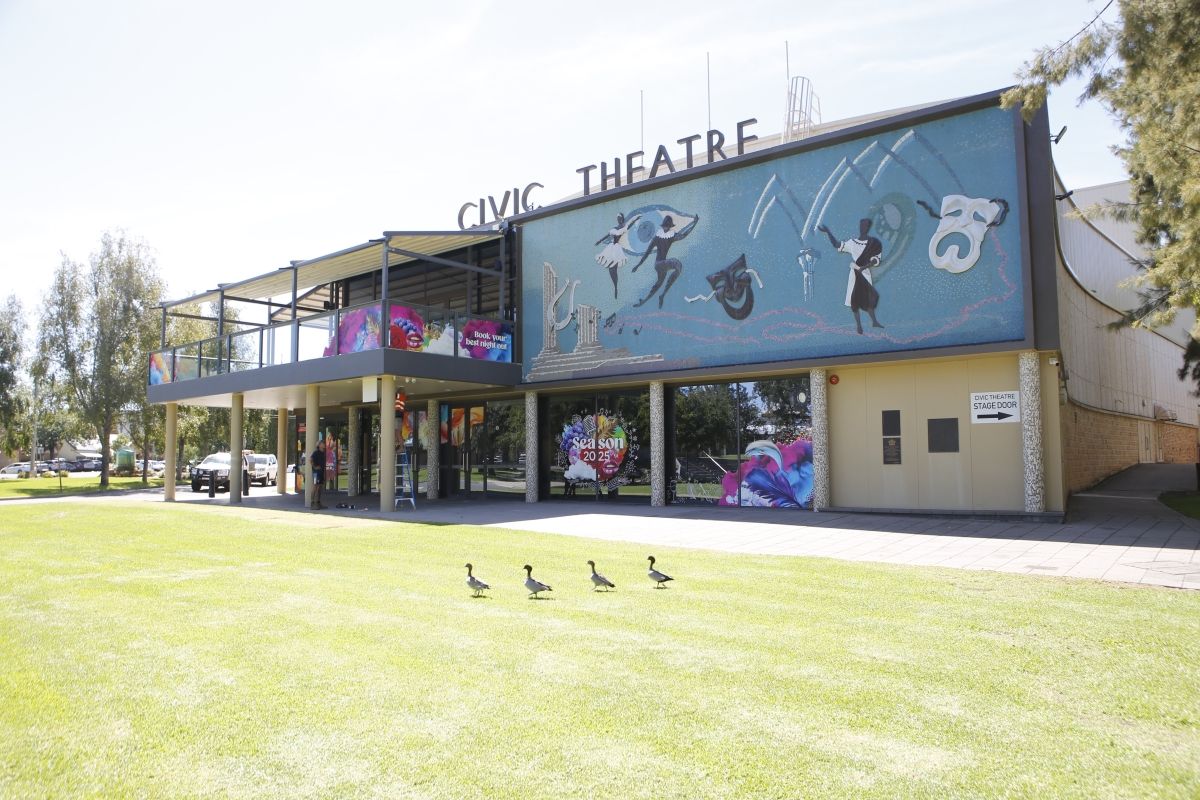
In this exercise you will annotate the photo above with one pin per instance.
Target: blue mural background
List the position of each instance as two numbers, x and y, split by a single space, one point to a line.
769 213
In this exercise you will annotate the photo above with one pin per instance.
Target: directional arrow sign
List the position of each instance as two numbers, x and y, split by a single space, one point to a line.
992 407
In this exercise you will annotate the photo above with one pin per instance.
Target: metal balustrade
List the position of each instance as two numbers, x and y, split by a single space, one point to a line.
365 327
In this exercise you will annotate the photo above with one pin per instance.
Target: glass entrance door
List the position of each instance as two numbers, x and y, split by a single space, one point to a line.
597 446
463 454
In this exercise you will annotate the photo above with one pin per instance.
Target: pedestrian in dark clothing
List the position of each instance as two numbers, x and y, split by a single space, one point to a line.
317 460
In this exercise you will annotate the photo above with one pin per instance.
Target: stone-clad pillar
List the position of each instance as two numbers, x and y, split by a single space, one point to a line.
172 449
1031 431
818 383
312 426
387 443
354 457
531 448
281 453
658 446
433 450
235 448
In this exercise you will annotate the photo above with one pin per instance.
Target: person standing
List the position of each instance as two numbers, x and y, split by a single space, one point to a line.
317 463
860 286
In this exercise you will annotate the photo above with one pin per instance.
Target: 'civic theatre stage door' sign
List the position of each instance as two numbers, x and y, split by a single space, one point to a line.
995 407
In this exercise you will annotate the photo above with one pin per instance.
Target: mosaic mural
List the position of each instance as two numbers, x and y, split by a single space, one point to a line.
904 240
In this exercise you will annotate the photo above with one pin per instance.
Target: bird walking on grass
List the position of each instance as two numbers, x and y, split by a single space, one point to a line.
598 580
477 586
533 585
659 578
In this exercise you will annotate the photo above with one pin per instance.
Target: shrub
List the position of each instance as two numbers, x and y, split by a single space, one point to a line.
62 473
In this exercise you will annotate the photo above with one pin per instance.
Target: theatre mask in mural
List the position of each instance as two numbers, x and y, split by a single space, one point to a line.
963 218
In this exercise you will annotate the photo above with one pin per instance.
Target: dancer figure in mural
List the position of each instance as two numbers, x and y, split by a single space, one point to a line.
865 251
668 269
613 256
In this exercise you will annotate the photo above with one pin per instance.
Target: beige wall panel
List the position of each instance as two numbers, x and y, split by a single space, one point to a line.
997 469
848 439
944 478
891 388
1052 436
986 474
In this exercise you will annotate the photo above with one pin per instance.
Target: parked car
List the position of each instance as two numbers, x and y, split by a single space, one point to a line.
215 469
14 470
264 468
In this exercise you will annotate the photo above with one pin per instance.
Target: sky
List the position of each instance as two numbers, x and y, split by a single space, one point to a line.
236 136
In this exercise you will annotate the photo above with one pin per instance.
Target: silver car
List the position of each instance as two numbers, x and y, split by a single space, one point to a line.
264 469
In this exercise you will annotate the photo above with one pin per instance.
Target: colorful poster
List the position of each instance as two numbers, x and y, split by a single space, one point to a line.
359 329
896 241
409 330
444 424
160 372
485 339
457 427
773 475
596 449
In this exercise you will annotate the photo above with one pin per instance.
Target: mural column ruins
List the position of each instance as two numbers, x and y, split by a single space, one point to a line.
819 386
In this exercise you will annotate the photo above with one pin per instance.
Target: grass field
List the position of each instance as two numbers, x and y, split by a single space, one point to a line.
156 651
49 487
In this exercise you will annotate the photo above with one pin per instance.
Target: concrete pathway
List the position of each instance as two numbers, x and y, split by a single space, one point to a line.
1116 532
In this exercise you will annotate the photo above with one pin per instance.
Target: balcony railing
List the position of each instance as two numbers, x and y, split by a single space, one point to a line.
347 330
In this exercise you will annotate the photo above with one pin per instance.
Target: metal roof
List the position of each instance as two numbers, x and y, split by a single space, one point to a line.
347 263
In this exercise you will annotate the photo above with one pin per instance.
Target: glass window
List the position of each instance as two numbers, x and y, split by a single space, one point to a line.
744 444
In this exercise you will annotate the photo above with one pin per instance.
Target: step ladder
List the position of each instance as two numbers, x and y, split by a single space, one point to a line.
406 486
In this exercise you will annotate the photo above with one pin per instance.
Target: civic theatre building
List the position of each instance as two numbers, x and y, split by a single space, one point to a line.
896 313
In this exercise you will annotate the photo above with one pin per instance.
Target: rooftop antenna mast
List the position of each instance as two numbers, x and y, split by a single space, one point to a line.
708 78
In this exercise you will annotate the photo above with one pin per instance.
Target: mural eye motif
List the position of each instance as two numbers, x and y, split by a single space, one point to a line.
894 219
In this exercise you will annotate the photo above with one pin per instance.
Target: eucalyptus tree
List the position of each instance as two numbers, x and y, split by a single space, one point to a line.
13 402
98 323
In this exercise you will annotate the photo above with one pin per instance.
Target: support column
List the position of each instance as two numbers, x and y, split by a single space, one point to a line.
531 447
1031 431
172 447
433 450
658 446
312 425
235 449
387 443
281 454
818 384
354 457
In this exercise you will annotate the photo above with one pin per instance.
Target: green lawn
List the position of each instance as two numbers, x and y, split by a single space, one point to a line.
1186 503
156 651
49 487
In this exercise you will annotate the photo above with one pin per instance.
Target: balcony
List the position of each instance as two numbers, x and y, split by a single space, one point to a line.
358 329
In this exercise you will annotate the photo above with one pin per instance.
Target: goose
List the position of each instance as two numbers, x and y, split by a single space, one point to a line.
477 586
659 578
534 586
599 580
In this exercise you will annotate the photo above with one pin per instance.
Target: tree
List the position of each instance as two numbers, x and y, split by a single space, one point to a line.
12 401
94 328
1145 69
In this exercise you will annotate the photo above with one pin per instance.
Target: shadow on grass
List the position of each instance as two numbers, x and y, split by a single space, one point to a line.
1186 503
